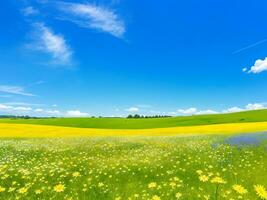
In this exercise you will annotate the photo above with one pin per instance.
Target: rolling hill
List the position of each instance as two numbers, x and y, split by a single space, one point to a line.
147 123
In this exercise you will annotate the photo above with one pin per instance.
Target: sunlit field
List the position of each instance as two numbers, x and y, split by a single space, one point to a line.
29 130
131 168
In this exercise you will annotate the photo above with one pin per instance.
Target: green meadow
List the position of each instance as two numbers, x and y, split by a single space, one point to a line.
121 168
208 167
146 123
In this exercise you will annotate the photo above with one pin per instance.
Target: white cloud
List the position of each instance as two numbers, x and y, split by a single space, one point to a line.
21 108
38 110
259 66
172 113
29 11
244 69
189 111
206 112
76 113
22 104
47 41
233 109
195 111
94 17
132 109
5 107
14 90
13 109
255 106
53 112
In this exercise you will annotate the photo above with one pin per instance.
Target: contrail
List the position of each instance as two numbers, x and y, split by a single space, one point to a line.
250 46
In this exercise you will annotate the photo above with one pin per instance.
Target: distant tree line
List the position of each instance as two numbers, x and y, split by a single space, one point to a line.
136 116
17 117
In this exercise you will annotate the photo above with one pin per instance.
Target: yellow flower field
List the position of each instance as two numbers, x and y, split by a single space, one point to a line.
26 130
132 168
52 162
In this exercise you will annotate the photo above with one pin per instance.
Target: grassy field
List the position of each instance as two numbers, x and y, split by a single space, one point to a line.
122 123
167 160
123 168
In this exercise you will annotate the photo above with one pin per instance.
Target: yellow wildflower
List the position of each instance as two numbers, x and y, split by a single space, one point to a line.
203 178
38 191
172 184
178 195
261 191
152 185
218 180
76 174
23 190
240 189
11 189
2 189
59 188
155 197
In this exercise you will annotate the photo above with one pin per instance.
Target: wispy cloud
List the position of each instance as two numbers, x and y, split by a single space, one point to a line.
52 112
195 111
93 17
188 111
258 67
207 112
14 109
22 110
132 109
76 113
233 109
47 41
255 106
28 11
23 104
40 110
250 46
18 90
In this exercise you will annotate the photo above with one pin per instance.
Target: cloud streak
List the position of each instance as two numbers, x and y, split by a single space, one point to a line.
45 40
132 109
28 11
14 90
93 17
250 46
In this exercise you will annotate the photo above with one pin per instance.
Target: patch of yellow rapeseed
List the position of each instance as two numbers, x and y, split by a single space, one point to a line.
26 130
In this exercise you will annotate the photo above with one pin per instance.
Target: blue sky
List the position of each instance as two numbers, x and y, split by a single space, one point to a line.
112 58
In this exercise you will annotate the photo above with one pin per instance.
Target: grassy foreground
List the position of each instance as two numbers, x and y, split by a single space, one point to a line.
69 163
30 131
131 168
122 123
